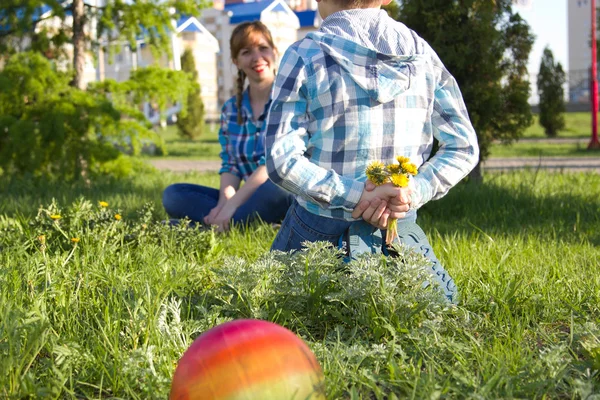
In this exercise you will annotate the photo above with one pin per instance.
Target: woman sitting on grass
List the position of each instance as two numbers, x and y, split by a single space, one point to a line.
242 136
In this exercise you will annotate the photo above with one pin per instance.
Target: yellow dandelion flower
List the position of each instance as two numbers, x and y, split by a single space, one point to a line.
394 169
118 217
399 180
409 168
103 204
376 173
75 240
402 159
55 217
42 239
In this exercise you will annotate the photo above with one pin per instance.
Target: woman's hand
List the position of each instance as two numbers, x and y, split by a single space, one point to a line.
224 216
210 218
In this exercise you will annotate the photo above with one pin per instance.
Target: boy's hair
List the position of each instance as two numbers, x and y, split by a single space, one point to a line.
245 35
350 4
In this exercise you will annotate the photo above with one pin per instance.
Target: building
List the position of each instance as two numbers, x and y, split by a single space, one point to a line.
188 34
579 28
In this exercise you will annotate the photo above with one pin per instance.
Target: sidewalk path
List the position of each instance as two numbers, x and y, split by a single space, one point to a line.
557 164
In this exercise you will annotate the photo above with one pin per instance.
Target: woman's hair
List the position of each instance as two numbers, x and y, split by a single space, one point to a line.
246 35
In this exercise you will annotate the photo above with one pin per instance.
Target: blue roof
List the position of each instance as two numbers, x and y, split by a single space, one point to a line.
243 12
191 27
36 15
306 18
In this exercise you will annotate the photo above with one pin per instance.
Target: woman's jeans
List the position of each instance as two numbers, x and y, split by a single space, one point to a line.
269 203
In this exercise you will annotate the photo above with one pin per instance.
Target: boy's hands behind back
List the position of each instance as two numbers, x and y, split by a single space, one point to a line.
377 204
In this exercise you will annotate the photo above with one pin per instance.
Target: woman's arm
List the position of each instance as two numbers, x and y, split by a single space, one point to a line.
258 177
227 189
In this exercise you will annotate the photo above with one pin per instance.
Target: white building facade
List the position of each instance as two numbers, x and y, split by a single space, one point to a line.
580 58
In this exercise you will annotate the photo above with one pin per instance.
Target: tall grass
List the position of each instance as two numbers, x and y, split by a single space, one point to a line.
108 316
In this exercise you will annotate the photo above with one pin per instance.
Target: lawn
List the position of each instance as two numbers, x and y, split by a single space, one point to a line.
206 147
571 141
578 126
108 314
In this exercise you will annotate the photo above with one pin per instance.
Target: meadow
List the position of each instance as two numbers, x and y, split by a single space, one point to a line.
572 142
103 300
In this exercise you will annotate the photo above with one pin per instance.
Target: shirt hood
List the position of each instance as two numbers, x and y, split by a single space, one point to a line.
380 54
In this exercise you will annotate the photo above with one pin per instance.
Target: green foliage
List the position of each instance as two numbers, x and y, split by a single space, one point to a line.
485 46
550 81
48 128
118 21
109 315
191 123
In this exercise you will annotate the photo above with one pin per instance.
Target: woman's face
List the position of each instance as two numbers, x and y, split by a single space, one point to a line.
257 61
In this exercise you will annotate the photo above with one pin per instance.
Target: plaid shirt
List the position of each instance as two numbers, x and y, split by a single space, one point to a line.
242 146
364 88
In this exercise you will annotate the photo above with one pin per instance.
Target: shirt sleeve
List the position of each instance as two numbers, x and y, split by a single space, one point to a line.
287 139
458 151
228 159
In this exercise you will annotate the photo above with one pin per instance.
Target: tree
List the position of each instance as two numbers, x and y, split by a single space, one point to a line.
88 26
49 128
192 124
550 81
485 46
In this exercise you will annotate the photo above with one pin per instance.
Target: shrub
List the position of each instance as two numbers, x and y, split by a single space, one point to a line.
550 81
191 125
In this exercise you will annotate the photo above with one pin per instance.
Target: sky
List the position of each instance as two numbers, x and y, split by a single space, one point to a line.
548 21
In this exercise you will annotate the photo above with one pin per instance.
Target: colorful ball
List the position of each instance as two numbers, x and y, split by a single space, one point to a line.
248 360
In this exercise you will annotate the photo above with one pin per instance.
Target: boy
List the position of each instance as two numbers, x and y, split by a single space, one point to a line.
364 88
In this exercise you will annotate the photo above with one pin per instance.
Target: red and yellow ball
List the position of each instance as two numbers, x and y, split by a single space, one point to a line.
248 360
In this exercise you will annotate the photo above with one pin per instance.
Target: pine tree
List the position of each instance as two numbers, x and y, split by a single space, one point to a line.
191 125
550 81
485 46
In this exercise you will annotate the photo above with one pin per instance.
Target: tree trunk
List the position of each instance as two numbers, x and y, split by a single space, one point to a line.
78 44
476 175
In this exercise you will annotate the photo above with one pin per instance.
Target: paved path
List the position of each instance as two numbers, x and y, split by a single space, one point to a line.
582 164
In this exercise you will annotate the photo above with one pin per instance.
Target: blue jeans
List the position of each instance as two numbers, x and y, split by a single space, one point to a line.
268 203
300 226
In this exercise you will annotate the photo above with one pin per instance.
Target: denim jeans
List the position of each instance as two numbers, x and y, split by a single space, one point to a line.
268 203
300 225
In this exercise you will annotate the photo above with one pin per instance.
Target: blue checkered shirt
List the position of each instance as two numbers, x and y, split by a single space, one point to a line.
364 88
242 146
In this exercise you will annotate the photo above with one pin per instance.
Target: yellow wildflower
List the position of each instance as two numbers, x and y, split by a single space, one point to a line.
103 204
399 180
42 239
394 169
402 159
55 217
409 168
118 217
376 173
75 240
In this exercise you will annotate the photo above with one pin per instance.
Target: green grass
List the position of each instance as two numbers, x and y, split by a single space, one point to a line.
206 147
577 125
109 316
541 149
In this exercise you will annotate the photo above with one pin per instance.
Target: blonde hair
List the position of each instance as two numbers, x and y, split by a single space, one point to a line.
245 35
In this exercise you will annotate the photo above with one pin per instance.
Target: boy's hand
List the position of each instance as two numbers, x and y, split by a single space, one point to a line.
379 203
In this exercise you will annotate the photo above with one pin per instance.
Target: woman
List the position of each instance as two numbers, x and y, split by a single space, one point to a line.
242 138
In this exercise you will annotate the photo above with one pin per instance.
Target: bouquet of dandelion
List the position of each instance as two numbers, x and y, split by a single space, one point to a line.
398 175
